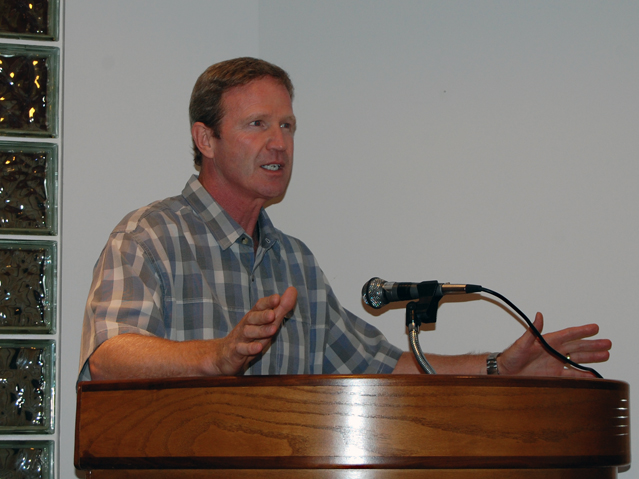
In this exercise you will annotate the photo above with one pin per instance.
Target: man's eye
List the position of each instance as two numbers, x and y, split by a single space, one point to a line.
257 123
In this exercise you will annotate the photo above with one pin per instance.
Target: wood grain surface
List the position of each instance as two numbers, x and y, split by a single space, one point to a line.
370 423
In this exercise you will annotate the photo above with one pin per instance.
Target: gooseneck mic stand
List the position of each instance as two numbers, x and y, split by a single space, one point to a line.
421 311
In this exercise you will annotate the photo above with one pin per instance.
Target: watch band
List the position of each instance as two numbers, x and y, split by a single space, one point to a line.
491 363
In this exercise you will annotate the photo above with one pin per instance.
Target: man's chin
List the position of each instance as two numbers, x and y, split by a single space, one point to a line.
275 196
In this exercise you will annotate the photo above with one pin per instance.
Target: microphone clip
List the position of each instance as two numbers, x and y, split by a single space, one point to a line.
424 310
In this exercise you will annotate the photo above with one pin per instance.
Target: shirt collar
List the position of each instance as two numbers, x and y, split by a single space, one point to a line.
269 235
225 229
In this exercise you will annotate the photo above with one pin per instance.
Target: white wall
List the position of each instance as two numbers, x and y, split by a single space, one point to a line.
483 142
129 72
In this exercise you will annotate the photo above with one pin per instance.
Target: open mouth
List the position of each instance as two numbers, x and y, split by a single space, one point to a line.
272 167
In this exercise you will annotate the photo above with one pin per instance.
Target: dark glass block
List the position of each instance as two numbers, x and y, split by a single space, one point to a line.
26 386
26 460
37 19
28 91
28 184
27 287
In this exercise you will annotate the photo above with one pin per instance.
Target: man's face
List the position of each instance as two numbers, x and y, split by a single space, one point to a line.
253 158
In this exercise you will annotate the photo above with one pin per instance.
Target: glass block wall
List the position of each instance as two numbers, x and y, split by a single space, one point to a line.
30 146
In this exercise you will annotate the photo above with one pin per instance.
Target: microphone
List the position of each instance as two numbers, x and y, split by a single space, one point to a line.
378 292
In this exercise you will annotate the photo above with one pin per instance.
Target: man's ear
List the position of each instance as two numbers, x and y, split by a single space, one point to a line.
203 138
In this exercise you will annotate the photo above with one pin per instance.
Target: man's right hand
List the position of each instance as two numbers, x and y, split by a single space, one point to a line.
253 334
128 356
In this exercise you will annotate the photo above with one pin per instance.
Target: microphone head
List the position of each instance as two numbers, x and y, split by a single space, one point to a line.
373 293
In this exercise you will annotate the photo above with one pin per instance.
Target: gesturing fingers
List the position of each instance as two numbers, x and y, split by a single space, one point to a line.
572 341
261 323
266 316
573 334
253 333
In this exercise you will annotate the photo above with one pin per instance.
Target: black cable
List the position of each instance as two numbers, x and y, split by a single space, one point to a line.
538 335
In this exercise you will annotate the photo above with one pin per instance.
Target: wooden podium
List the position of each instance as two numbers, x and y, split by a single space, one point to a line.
353 427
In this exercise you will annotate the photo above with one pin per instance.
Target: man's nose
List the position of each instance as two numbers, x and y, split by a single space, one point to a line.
277 140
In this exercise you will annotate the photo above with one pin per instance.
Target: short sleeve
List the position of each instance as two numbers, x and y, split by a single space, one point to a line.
125 297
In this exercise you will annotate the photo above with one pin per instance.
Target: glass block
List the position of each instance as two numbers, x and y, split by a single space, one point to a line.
28 188
27 286
28 90
26 386
26 460
36 19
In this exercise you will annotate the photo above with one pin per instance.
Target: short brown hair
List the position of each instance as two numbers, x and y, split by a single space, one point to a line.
206 98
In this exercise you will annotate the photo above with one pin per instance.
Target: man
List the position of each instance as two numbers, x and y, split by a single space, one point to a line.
203 284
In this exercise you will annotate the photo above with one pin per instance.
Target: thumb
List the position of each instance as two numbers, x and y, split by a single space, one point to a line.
539 322
529 337
287 301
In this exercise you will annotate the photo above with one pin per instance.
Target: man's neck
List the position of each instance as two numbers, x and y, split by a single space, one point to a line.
245 213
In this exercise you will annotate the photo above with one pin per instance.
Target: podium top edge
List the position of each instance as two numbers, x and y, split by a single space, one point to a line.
368 380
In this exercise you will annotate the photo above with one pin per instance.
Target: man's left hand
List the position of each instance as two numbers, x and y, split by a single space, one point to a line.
527 356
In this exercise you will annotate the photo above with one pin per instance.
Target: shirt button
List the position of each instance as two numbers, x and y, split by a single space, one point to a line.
245 240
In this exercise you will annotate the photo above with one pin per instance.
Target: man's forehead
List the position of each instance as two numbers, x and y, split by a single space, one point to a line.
264 92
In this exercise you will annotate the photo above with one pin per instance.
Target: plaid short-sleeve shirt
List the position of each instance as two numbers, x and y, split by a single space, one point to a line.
183 269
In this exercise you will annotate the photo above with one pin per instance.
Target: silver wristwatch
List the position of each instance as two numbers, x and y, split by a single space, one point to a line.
491 363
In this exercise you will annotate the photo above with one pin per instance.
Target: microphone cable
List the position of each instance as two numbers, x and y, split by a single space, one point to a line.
538 335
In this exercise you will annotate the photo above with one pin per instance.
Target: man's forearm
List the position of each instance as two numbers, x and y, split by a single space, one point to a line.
474 364
130 356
